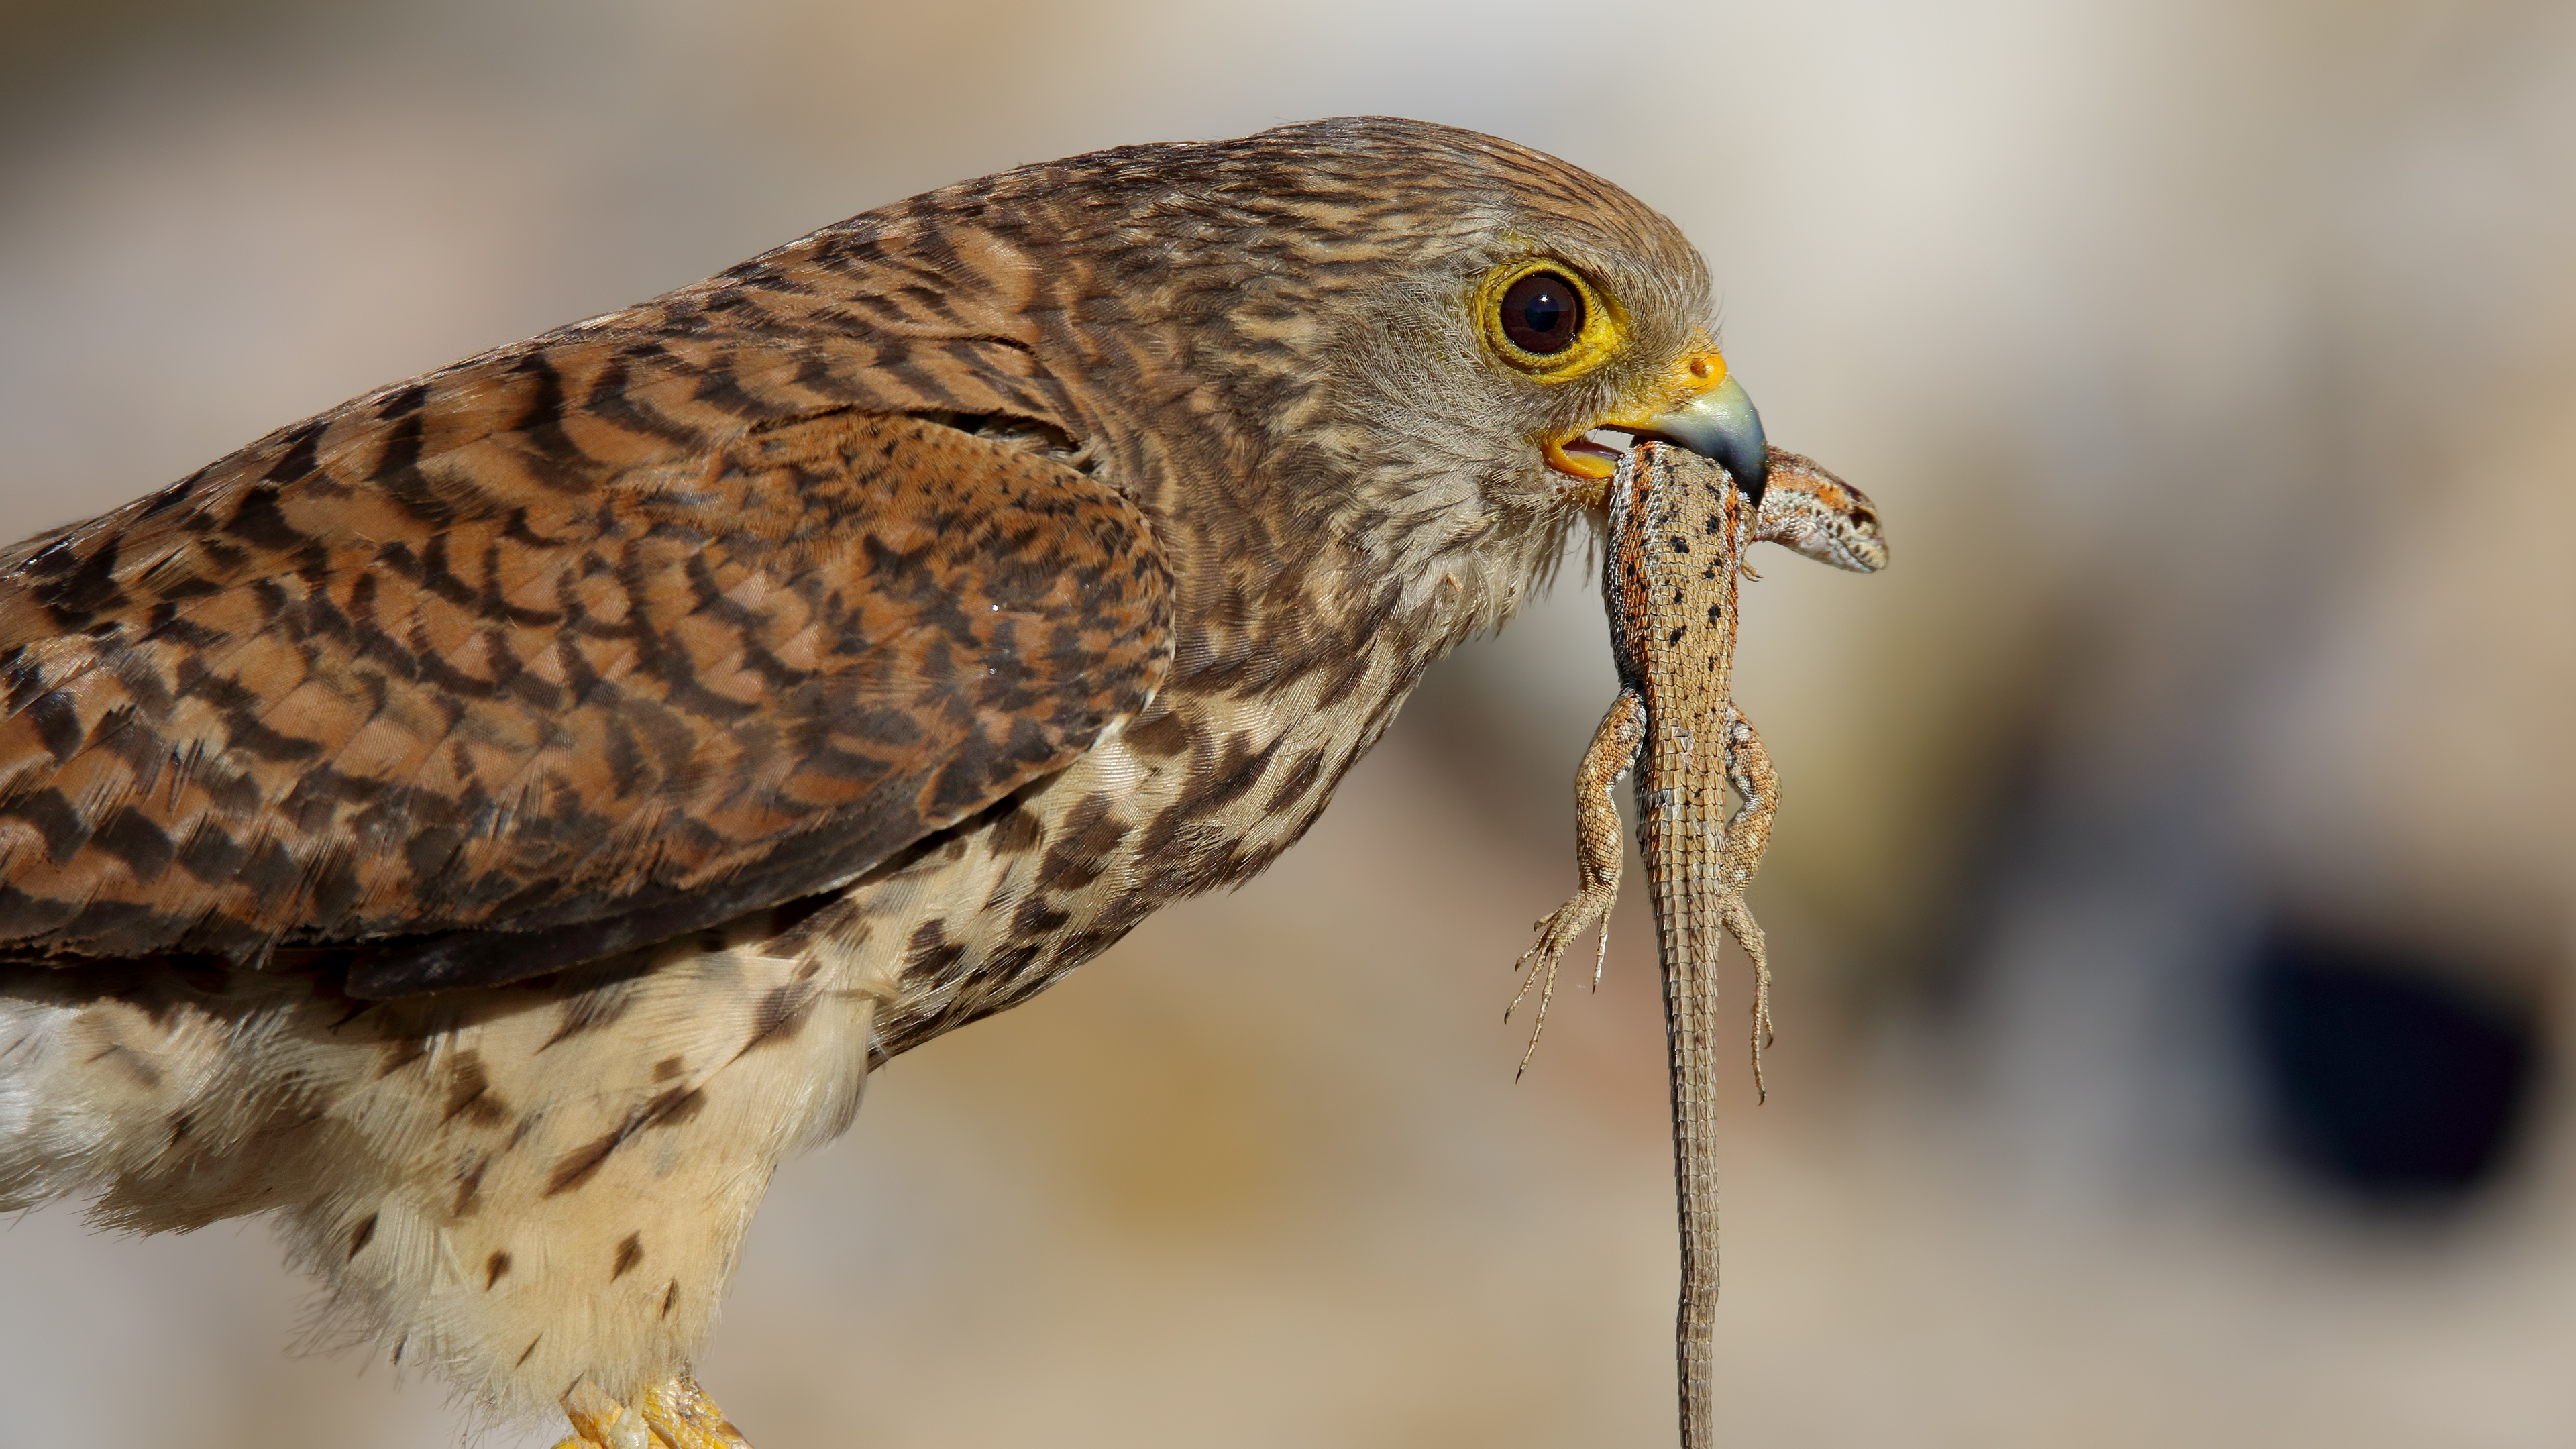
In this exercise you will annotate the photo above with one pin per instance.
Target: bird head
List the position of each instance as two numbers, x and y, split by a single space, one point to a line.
1384 332
1527 305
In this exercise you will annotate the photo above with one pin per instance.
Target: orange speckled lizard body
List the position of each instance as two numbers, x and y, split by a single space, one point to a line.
1678 529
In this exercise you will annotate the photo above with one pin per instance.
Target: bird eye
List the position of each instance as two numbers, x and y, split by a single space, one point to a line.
1542 313
1544 318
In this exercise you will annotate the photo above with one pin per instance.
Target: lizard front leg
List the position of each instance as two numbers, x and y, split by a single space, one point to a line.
1598 849
1739 854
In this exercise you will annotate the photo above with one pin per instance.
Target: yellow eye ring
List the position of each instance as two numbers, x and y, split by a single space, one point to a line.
1599 329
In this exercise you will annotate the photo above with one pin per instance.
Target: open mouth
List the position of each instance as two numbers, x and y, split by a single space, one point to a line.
1608 445
1704 411
1593 456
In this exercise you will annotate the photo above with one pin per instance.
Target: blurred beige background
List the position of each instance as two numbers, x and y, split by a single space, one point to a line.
2172 892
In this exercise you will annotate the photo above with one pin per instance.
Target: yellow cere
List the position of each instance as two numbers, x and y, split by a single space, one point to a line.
1698 371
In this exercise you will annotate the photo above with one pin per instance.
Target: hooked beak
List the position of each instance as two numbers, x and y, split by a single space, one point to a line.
1702 408
1721 426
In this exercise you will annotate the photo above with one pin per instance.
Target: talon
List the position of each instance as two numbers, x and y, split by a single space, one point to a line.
673 1414
684 1417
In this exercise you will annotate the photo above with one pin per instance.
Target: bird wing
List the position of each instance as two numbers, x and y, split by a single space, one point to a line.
491 686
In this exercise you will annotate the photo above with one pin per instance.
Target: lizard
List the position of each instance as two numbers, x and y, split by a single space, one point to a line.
1678 529
1813 513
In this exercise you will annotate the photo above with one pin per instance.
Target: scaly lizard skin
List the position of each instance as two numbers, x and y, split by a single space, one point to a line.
1677 534
1804 509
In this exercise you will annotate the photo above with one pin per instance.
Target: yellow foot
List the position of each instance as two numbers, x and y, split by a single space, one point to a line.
674 1414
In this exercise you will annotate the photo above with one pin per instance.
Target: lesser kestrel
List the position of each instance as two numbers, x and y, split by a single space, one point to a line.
491 823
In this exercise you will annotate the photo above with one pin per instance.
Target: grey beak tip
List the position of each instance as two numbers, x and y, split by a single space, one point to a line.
1722 426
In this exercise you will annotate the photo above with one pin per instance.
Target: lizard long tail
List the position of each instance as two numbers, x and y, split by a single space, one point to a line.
1688 907
1678 530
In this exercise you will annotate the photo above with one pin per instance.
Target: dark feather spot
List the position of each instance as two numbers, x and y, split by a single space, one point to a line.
592 1010
254 736
259 520
670 1296
78 597
64 830
361 1235
469 1193
781 1014
495 1268
404 403
57 722
630 1252
581 1163
402 453
299 457
1293 787
675 1108
1036 919
135 840
1091 839
131 1062
400 1054
1228 778
1018 830
1163 736
469 1092
930 953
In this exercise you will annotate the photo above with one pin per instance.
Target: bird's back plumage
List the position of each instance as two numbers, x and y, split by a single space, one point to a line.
573 647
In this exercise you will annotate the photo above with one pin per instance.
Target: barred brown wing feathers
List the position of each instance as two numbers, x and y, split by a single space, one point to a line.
572 688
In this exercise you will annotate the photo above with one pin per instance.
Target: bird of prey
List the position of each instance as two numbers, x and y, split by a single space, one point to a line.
491 823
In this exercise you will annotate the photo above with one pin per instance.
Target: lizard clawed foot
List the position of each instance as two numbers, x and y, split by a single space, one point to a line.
1747 932
1559 929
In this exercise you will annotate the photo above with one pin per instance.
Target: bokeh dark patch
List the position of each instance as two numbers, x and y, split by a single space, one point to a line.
2386 1074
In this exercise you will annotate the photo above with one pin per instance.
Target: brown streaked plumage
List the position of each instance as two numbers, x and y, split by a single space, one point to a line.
498 720
491 823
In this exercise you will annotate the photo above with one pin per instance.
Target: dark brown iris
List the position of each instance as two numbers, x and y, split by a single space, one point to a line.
1541 313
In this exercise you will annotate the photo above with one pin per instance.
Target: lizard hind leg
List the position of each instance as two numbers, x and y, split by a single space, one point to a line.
1747 834
1747 932
1598 848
